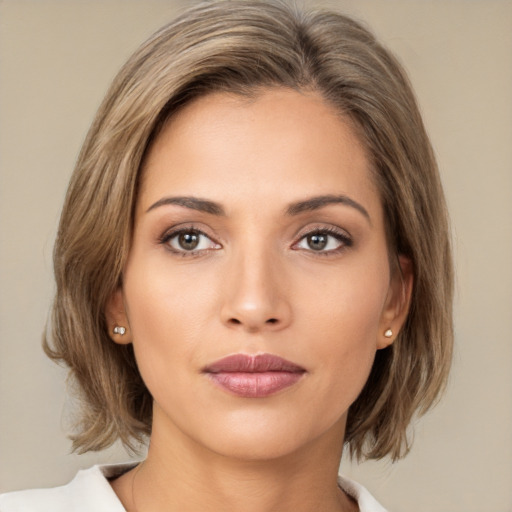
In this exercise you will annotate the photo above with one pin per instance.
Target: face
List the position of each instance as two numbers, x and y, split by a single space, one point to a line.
257 288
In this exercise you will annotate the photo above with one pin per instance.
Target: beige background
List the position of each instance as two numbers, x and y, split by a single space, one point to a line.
57 58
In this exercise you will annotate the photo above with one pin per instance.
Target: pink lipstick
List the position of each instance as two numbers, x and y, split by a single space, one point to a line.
254 376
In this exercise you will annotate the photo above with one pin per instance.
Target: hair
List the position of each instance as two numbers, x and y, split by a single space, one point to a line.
242 46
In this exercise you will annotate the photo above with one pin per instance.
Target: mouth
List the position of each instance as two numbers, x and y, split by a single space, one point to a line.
252 376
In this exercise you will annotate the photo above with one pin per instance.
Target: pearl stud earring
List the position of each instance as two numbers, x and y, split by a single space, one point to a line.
388 333
119 330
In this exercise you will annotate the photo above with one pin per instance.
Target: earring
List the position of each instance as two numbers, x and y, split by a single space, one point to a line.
388 333
119 330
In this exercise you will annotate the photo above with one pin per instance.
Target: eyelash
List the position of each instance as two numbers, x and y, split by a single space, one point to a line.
345 239
169 235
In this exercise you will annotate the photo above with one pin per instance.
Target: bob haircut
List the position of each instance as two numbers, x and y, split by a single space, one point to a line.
242 47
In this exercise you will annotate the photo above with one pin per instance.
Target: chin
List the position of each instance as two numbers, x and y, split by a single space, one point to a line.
257 448
269 438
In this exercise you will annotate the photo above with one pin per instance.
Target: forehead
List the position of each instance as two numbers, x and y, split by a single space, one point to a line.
279 143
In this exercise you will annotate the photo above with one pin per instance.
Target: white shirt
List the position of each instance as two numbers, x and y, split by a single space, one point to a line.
90 491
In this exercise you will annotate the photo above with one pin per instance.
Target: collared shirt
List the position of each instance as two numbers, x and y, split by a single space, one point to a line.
90 491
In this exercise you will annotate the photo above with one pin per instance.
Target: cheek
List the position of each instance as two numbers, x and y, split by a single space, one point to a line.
349 300
161 300
168 312
343 318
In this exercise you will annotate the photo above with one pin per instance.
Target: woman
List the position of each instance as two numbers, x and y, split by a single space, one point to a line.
253 267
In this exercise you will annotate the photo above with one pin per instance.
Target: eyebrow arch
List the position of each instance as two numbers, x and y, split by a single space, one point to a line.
314 203
193 203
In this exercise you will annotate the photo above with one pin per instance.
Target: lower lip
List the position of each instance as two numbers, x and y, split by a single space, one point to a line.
255 385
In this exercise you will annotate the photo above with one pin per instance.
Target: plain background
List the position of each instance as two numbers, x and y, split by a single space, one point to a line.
56 60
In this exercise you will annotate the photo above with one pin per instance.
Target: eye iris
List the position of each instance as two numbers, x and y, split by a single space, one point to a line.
317 242
188 241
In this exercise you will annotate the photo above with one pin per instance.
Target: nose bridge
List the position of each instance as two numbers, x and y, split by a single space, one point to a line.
256 297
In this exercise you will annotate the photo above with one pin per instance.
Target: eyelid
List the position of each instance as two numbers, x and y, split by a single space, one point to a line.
340 234
175 231
336 232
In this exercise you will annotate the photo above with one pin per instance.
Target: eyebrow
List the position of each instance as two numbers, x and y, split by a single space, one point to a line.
315 203
193 203
307 205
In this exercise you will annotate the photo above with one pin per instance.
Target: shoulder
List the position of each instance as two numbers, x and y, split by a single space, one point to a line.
366 502
89 491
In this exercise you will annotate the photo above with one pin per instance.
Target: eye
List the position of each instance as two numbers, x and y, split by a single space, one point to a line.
324 241
189 240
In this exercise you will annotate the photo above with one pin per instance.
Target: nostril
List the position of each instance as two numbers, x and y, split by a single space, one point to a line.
253 324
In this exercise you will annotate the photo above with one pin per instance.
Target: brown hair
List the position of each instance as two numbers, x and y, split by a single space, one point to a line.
240 46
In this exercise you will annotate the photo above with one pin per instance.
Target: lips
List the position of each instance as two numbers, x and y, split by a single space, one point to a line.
254 376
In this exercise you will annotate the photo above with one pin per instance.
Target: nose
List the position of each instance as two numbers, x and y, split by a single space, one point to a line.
255 294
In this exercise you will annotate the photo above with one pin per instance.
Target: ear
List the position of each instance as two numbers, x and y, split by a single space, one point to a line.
115 313
397 303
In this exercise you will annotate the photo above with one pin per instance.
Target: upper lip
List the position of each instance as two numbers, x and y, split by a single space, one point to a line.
246 363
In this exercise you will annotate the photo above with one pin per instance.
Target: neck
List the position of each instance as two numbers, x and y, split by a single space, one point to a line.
182 475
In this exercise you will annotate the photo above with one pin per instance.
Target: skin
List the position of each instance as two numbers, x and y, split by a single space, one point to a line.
256 284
